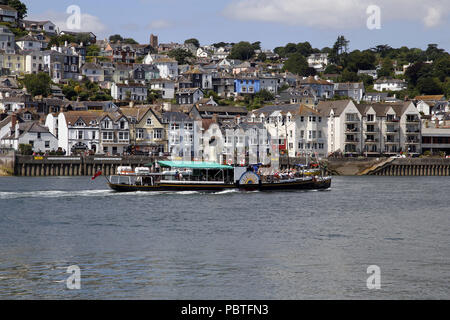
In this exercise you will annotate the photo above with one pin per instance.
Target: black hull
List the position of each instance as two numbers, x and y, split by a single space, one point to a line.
298 185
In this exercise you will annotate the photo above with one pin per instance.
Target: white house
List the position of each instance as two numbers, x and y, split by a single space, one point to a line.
133 92
77 131
31 133
165 86
39 26
297 130
30 43
7 39
168 67
8 14
318 61
390 85
34 62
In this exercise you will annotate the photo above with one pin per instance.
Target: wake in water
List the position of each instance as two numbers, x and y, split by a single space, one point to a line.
98 193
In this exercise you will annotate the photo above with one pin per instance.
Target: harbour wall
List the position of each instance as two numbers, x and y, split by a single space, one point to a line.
36 166
7 162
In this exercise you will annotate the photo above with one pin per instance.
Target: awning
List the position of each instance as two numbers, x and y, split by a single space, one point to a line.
192 165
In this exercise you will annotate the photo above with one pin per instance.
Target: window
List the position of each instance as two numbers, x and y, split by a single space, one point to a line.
108 136
93 135
38 135
140 134
123 136
157 134
47 144
175 126
80 135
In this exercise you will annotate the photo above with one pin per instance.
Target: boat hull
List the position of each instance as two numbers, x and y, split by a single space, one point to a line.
296 185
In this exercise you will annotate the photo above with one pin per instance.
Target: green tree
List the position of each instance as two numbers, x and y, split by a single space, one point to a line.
182 56
265 95
26 149
262 57
349 76
387 69
339 50
296 64
93 51
242 51
193 41
130 41
21 8
38 84
428 85
115 38
332 69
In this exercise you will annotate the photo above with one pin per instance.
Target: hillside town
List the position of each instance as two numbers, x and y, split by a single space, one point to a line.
66 92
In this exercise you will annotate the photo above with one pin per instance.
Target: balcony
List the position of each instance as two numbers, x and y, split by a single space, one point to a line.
412 120
374 130
351 130
372 141
394 141
352 120
392 120
412 141
412 132
352 141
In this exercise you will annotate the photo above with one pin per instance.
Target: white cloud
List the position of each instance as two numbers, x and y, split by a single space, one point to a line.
159 24
337 13
88 22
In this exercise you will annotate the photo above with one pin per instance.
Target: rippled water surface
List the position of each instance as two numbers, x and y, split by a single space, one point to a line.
228 245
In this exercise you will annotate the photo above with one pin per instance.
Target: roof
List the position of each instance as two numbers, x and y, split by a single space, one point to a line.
312 80
4 7
325 107
176 117
193 165
430 97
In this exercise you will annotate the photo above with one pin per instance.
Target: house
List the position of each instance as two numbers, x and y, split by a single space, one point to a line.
77 131
198 78
189 95
15 62
322 88
131 91
121 73
390 85
181 130
436 138
375 97
296 130
390 128
91 36
39 26
147 130
372 73
114 133
168 68
15 103
426 103
220 113
269 83
34 62
8 14
247 85
223 85
93 71
143 73
62 64
305 96
30 42
32 133
165 86
350 90
202 53
343 125
7 39
318 61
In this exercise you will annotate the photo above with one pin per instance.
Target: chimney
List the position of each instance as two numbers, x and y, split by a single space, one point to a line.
215 118
167 107
13 121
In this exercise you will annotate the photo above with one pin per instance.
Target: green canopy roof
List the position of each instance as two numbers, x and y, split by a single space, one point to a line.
193 165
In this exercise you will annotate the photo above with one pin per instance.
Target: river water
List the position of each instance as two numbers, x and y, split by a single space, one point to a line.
228 245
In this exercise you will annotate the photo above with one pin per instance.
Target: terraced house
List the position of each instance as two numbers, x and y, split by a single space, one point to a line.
147 130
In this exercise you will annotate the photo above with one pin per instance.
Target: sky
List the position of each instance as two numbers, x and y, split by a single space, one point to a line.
412 23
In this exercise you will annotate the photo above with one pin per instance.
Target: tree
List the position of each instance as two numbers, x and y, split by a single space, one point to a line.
262 57
193 41
180 55
304 49
38 84
21 8
387 69
296 64
332 69
115 38
129 41
339 50
265 95
93 51
428 85
349 76
242 51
